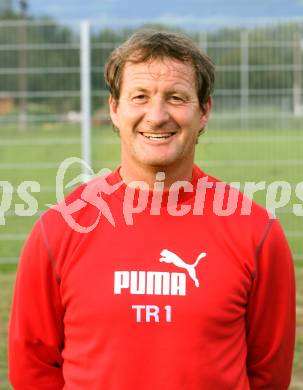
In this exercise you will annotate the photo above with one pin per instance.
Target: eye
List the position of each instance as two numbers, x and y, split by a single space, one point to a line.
176 99
139 98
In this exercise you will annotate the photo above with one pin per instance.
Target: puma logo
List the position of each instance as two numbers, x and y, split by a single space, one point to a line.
171 258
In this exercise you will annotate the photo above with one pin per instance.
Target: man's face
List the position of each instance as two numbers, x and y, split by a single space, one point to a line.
158 114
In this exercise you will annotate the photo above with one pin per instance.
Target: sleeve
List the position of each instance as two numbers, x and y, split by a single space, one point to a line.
35 338
271 314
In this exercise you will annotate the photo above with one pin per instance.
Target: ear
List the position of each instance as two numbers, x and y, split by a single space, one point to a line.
205 112
113 109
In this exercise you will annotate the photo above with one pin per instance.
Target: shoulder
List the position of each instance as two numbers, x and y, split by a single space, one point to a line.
80 207
72 220
234 212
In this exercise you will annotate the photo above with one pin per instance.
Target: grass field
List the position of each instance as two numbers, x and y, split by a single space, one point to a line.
231 155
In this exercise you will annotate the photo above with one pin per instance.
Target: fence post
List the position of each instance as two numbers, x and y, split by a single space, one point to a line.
85 64
297 78
244 79
22 77
203 41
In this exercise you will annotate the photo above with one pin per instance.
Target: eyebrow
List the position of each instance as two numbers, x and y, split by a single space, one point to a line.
176 90
168 92
141 89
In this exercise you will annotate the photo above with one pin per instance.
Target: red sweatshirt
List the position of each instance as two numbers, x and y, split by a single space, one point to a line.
152 302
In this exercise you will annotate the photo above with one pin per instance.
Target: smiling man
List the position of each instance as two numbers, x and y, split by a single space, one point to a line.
177 298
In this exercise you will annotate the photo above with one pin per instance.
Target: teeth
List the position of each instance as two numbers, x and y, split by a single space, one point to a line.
157 136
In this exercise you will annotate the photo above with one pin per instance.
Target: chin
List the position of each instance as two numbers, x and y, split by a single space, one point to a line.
159 162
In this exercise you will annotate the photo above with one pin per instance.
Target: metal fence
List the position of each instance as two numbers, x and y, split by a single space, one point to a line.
51 78
259 71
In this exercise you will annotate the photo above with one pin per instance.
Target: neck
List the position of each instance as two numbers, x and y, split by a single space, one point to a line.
148 174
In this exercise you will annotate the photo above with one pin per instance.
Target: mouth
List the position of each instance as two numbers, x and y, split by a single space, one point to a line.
158 136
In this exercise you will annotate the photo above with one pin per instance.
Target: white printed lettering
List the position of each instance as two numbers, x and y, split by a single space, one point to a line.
150 283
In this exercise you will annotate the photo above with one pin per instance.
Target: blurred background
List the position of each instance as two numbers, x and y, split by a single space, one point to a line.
53 105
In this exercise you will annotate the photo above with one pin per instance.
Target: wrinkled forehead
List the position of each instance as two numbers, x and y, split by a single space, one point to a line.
166 69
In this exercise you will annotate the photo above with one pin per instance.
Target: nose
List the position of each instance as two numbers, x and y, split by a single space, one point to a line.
157 113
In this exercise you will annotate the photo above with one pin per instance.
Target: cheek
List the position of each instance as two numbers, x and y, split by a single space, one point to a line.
131 116
190 122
